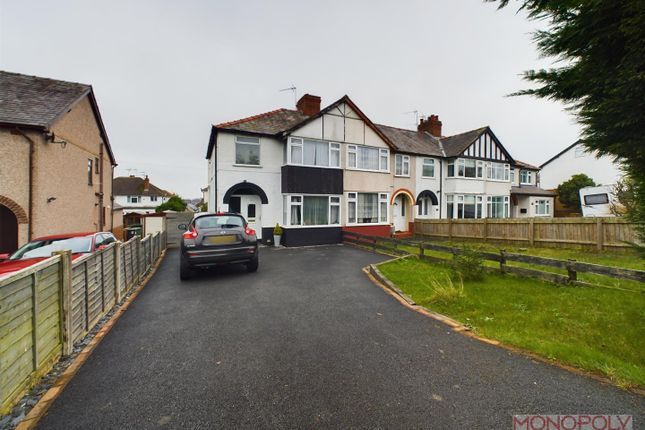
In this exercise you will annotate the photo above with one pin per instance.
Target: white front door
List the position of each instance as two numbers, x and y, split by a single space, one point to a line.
400 213
251 209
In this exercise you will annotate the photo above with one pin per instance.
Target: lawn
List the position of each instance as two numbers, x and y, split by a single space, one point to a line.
595 329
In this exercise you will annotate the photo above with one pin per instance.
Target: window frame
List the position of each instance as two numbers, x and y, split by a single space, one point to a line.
505 206
547 206
299 142
526 174
235 163
424 165
405 165
300 201
353 149
382 198
90 171
457 200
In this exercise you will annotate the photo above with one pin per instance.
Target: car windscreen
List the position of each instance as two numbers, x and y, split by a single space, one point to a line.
45 248
219 221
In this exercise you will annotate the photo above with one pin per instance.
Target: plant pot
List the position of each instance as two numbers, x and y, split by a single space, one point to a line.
276 239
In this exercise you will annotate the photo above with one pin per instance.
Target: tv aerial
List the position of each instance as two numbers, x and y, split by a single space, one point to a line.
291 88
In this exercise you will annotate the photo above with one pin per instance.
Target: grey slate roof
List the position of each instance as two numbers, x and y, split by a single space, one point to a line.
532 190
271 123
133 186
33 101
455 145
411 141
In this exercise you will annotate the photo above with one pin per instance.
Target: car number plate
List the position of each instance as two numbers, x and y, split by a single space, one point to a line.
225 239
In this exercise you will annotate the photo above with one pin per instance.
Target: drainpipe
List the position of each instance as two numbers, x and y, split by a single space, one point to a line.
440 186
101 212
30 228
111 198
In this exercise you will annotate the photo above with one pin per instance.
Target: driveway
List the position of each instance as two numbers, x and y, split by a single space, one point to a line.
307 341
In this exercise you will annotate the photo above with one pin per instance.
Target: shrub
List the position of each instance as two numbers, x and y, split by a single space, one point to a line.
468 265
277 230
445 292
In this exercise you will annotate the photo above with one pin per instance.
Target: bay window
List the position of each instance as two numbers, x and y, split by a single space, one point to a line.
310 152
497 206
367 208
466 168
428 168
311 210
247 150
367 158
498 171
402 165
464 206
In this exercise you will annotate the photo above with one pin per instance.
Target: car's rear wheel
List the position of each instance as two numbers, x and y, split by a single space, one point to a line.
252 266
185 271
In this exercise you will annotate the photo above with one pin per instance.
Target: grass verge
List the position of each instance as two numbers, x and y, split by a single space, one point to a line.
594 329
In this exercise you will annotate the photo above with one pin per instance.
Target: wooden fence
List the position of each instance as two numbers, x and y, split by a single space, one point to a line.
47 307
598 233
571 278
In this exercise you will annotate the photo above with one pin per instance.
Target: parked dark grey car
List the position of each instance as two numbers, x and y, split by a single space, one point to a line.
217 238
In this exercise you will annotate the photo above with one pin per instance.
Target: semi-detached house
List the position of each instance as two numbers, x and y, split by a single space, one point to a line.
317 172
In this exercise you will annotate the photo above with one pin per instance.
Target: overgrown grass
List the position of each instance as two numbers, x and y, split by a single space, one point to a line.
595 329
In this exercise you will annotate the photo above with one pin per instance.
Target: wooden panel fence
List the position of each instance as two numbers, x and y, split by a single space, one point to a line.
598 233
572 267
47 307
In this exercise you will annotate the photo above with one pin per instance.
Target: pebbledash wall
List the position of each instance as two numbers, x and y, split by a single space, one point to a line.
59 175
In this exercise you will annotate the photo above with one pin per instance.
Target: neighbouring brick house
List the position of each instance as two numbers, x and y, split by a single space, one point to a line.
137 197
56 163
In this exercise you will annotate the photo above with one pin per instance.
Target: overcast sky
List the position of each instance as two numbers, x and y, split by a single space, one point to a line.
163 71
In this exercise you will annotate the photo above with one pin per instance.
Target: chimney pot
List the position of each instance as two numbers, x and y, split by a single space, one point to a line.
309 104
432 125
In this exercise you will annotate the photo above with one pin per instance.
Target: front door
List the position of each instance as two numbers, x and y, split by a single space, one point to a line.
400 213
251 209
8 230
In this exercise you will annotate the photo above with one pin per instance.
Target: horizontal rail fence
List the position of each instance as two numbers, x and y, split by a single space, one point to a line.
47 307
571 266
596 233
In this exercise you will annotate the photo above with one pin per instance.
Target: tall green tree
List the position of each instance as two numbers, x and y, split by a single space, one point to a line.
599 46
569 190
174 203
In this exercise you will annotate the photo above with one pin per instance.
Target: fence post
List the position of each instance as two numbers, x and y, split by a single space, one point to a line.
485 229
573 275
87 297
531 231
66 301
102 283
117 272
34 320
422 252
449 228
599 234
502 260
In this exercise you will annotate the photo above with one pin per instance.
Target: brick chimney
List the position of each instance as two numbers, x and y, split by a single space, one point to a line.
432 125
146 184
308 104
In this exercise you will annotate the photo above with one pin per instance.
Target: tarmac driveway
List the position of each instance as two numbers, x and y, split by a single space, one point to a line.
307 341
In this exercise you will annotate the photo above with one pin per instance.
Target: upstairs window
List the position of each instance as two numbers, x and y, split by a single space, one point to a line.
367 158
498 171
247 150
466 168
134 199
310 152
526 177
153 198
402 165
428 168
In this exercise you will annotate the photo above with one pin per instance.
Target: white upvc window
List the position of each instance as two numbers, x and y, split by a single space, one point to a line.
311 210
425 203
401 165
134 199
526 177
311 152
427 170
464 206
367 158
497 206
498 171
367 208
543 207
465 168
247 151
513 175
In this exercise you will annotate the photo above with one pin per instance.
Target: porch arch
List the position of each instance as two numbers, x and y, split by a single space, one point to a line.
405 191
246 188
429 194
17 210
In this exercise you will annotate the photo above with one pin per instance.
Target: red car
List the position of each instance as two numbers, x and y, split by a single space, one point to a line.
41 248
